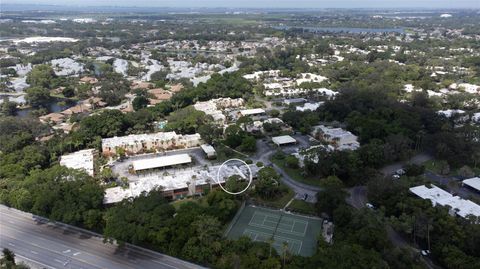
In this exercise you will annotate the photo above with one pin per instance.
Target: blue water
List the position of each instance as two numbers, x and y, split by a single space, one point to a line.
344 29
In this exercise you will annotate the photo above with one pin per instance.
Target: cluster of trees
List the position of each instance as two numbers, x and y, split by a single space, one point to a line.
267 185
231 85
41 79
238 138
113 89
192 232
452 240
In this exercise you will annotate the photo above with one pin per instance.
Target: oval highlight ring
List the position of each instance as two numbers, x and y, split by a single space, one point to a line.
249 182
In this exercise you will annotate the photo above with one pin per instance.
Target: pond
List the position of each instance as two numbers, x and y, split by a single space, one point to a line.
53 106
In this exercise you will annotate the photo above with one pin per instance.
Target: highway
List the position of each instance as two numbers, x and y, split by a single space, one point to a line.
55 245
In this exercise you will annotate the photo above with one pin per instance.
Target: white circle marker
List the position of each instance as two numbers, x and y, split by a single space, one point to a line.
249 182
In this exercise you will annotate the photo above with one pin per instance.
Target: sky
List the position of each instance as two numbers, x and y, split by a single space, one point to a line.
263 3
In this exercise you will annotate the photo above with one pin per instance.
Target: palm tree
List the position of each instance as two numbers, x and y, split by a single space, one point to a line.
270 243
284 249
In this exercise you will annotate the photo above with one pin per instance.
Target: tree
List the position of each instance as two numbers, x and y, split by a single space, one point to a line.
8 255
332 195
187 120
413 170
466 172
8 108
210 132
249 144
140 102
267 185
42 76
159 76
234 136
113 89
38 97
68 92
291 161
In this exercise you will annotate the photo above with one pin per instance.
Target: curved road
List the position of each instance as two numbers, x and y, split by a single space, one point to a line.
299 188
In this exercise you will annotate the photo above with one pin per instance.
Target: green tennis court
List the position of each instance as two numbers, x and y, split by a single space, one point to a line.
299 233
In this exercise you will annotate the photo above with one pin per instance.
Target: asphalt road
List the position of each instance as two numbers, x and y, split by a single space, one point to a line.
55 245
417 159
263 155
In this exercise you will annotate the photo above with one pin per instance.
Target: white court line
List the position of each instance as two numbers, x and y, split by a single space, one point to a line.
281 238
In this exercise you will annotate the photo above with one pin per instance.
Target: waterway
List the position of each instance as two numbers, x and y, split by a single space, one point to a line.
343 29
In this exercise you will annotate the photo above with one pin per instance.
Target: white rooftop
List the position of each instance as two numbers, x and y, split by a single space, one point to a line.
309 106
284 139
162 161
436 195
133 139
179 179
253 111
208 149
473 183
82 160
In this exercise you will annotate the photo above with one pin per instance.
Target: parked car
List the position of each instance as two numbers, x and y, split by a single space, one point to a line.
425 252
369 206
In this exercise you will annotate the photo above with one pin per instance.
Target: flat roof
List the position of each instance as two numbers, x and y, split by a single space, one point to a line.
179 179
207 148
162 161
473 183
82 160
283 139
436 195
253 111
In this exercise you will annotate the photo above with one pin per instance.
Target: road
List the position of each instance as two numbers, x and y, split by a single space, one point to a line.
264 154
417 159
55 245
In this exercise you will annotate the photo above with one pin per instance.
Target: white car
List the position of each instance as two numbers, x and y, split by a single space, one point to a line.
369 206
425 252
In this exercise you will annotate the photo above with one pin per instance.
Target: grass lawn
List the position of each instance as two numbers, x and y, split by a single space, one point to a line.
302 207
296 174
277 203
432 165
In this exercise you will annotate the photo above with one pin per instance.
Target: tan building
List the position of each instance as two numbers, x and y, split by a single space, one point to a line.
135 144
52 118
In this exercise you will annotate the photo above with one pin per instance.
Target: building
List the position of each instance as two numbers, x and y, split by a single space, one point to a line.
294 101
216 107
209 151
252 112
457 206
82 160
160 162
179 183
54 118
161 141
283 140
473 183
309 106
340 139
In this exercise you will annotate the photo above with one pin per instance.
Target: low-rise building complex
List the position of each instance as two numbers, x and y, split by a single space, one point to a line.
161 141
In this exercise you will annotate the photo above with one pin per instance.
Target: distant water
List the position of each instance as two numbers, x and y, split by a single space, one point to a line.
343 29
